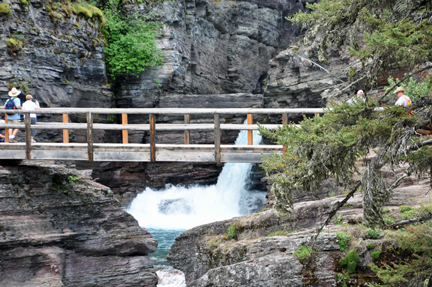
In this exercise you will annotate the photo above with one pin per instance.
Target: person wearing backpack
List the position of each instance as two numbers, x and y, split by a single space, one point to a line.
29 105
13 103
403 99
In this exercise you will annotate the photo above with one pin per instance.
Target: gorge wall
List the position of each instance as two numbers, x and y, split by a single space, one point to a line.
60 228
217 54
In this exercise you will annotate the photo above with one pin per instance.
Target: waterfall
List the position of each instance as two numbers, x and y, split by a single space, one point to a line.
179 207
169 212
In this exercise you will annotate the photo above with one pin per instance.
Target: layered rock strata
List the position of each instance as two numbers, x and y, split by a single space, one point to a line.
258 258
60 228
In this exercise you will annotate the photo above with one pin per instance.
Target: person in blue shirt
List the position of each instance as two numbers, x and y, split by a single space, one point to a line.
15 118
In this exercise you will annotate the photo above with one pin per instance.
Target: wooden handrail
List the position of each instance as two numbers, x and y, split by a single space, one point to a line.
90 136
27 135
186 132
152 122
171 111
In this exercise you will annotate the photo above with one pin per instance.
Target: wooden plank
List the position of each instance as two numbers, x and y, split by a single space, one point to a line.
90 136
125 132
284 122
152 138
65 131
186 132
250 133
6 130
27 135
217 138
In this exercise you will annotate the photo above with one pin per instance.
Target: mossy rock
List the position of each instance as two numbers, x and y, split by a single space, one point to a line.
5 9
376 254
88 11
25 2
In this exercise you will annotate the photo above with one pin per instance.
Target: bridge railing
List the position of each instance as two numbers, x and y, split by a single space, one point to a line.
152 127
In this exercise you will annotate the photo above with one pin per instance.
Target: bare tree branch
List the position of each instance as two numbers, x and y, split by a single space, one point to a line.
405 222
362 78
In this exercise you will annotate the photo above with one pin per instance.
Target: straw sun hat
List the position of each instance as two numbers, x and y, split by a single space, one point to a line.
399 89
14 92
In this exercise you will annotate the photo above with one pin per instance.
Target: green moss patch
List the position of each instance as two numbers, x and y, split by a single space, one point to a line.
5 9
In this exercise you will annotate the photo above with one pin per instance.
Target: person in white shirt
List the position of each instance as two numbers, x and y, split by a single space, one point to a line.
359 97
29 105
403 99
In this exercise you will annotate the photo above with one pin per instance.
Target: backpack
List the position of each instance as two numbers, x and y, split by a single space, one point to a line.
10 105
408 100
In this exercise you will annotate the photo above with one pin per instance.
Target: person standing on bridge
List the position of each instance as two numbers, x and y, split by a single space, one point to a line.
29 105
15 118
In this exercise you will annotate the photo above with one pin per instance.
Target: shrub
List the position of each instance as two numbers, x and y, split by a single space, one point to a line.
14 43
339 219
414 89
213 243
373 233
344 239
370 246
132 47
376 254
278 233
303 252
233 230
350 260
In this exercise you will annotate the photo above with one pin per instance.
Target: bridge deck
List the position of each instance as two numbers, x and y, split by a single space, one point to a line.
138 152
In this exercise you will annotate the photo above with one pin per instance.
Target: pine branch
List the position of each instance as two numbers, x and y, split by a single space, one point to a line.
333 212
399 224
404 78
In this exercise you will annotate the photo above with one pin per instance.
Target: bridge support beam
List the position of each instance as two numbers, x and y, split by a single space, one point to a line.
217 138
250 133
90 136
152 138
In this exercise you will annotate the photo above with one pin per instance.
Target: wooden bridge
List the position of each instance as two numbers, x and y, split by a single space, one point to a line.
151 152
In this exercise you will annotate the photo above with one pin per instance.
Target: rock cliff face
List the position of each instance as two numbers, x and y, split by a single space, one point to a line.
61 61
59 228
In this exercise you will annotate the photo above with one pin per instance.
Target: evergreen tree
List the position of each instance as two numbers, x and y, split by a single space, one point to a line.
384 34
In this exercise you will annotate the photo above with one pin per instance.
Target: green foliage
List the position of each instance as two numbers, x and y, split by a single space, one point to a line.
233 230
303 252
373 233
376 254
72 178
278 233
383 34
370 246
413 88
24 2
416 242
339 219
344 239
329 146
409 212
350 260
213 243
5 9
131 45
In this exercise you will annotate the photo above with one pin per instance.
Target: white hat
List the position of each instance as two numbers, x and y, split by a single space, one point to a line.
14 92
399 89
360 92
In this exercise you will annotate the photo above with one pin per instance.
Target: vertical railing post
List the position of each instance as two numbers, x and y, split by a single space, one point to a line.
6 130
217 138
65 131
27 135
90 136
125 132
284 122
152 138
250 132
186 132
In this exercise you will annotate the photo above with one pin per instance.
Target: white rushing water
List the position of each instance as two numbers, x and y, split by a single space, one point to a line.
169 212
179 207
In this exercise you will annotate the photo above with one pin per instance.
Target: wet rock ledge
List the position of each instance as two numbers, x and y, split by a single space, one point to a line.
60 228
